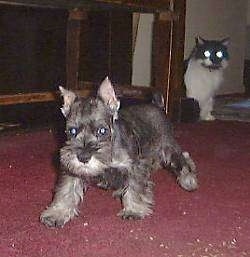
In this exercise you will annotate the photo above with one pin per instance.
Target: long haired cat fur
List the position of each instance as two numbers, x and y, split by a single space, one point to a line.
204 74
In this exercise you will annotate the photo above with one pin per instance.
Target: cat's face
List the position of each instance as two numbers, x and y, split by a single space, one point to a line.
212 54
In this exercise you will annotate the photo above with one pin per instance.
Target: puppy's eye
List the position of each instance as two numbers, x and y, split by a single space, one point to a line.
73 132
102 131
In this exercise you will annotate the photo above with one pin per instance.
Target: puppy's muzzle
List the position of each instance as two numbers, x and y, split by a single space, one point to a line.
84 154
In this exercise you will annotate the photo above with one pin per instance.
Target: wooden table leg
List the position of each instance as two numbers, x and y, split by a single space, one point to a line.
161 57
168 49
177 63
74 26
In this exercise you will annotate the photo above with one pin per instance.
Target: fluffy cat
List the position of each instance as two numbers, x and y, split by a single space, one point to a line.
204 73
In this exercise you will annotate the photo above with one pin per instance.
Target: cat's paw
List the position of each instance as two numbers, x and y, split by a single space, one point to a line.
208 117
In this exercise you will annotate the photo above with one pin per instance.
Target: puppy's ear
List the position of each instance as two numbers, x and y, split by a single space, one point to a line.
107 93
68 99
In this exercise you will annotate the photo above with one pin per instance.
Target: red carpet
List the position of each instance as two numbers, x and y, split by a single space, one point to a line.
213 221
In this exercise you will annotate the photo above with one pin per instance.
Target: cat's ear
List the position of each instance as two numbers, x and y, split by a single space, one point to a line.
199 40
225 41
107 93
68 99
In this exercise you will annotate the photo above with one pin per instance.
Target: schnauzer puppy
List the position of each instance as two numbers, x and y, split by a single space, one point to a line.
114 148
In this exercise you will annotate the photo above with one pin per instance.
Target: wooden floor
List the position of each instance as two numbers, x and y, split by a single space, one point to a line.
225 108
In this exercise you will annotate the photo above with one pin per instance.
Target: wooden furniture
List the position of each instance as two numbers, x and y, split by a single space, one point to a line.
167 50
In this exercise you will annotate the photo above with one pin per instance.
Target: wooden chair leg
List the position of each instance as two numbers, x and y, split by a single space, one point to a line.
161 56
177 60
168 49
75 19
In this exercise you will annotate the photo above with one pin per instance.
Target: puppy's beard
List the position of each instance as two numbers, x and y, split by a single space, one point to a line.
72 164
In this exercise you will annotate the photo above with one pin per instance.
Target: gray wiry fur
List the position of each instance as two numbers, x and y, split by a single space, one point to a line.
114 148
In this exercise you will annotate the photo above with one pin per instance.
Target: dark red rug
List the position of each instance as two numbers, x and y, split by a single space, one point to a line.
213 221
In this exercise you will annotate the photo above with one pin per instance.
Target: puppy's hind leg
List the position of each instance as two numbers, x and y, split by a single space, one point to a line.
183 167
68 194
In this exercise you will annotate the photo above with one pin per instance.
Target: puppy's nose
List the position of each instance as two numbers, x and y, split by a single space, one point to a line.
84 154
83 157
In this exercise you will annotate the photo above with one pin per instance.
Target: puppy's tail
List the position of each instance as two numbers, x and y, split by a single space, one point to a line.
158 100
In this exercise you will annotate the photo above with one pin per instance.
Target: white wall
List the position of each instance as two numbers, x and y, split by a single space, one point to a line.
247 48
248 12
216 19
141 74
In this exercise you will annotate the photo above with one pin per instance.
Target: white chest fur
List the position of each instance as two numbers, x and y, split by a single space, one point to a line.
201 83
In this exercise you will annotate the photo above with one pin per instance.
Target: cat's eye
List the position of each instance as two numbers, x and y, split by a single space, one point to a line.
102 131
73 132
207 54
219 54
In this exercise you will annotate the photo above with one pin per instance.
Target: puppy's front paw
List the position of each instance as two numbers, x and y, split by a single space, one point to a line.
54 217
129 215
